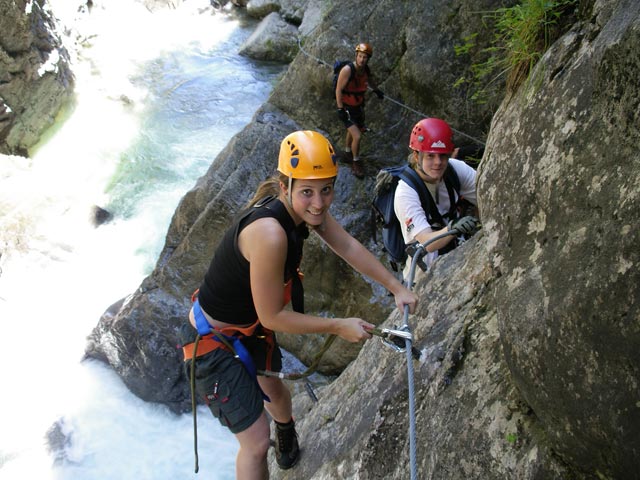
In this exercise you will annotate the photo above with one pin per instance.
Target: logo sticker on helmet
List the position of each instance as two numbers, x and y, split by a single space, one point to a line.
294 162
438 144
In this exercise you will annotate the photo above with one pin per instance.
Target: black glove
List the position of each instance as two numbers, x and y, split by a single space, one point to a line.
343 114
379 93
464 226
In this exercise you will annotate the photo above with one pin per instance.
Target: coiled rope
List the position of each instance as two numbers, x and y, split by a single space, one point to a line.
387 97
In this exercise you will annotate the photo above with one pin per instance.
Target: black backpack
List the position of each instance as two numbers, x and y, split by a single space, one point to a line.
383 207
337 66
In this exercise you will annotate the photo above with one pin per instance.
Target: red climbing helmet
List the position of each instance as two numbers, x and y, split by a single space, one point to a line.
432 135
365 48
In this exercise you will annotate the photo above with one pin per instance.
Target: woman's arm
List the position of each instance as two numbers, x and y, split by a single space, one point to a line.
264 245
356 255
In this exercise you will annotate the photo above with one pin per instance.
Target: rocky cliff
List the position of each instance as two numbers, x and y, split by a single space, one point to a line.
565 251
529 333
35 75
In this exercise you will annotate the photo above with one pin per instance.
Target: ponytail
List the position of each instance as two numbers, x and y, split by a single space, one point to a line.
269 188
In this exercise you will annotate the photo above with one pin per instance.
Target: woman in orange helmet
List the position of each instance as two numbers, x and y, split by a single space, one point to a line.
353 81
253 275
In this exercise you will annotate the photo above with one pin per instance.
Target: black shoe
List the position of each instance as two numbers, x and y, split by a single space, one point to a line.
287 451
357 169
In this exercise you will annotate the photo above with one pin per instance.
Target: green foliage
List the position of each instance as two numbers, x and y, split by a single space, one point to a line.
511 437
523 33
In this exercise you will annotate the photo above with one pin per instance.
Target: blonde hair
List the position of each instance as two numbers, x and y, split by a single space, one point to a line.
413 159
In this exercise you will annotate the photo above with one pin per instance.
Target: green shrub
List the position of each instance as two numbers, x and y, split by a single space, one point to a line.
523 33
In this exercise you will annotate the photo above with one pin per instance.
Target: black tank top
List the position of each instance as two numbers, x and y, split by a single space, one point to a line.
225 293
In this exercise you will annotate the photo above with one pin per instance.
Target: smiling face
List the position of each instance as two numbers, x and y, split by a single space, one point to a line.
310 199
433 165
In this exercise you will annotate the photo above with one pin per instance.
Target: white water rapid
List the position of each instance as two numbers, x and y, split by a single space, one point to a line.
158 96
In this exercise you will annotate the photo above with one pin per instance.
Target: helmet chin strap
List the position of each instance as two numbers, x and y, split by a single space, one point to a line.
289 199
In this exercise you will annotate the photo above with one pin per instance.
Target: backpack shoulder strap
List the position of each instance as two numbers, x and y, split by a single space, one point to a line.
411 177
451 176
352 72
452 182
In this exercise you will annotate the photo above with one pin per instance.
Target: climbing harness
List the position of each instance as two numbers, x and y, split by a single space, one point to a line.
387 97
209 339
394 338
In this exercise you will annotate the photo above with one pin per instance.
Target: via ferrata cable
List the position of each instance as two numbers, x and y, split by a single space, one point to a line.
387 97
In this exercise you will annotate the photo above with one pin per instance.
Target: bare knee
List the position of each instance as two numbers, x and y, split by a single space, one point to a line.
257 449
254 441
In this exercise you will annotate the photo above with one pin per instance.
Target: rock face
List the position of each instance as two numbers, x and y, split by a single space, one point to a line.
273 40
528 332
566 247
35 78
470 419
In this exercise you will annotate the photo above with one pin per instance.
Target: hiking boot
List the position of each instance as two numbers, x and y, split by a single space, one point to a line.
357 169
287 451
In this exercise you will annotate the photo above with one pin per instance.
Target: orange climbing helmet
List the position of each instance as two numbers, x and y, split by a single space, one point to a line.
432 135
307 154
365 48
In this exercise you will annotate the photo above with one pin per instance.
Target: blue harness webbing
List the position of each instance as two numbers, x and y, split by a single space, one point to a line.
240 351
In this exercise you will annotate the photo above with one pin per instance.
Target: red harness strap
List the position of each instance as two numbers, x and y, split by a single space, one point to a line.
210 342
205 345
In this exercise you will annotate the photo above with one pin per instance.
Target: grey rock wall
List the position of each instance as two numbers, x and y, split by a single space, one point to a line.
565 241
471 421
35 77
